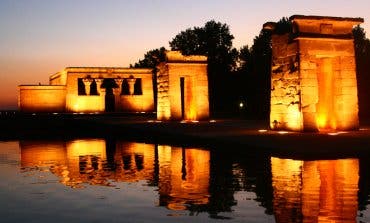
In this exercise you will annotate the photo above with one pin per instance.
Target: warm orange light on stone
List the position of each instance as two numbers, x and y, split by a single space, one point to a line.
182 87
315 191
41 98
63 92
313 76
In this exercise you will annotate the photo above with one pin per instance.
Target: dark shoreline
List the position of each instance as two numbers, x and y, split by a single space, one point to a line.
234 135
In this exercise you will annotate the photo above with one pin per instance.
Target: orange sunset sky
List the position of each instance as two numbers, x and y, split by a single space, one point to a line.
41 37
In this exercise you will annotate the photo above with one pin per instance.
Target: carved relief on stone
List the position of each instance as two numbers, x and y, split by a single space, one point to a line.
87 82
99 82
118 81
277 92
292 95
131 84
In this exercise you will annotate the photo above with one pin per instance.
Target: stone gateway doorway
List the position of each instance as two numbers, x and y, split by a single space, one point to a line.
182 83
313 75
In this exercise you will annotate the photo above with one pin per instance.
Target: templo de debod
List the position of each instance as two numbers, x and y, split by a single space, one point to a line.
313 75
313 82
91 89
182 90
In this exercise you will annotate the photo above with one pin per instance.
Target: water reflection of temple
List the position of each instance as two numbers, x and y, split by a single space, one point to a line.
182 175
315 191
207 180
187 178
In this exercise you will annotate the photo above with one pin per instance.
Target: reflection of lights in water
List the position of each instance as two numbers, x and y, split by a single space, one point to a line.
335 133
143 112
188 121
282 132
55 113
315 189
33 113
364 129
262 130
81 113
153 121
212 120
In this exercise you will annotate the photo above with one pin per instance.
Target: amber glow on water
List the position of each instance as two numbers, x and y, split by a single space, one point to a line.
164 183
315 191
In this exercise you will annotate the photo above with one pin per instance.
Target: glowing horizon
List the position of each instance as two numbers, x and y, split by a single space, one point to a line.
40 38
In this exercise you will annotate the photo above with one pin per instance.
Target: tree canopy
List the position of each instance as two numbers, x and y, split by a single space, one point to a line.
362 50
151 59
213 40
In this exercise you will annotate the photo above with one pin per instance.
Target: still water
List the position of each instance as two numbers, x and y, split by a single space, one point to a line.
101 180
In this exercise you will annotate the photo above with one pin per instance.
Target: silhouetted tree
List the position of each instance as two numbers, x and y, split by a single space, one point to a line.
214 41
284 25
362 51
239 80
259 71
151 59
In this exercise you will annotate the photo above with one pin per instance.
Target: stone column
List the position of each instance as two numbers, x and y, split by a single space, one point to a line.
131 85
117 99
119 83
102 93
117 94
87 82
99 82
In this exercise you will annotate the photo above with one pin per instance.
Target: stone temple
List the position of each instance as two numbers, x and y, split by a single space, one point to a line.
313 82
182 90
313 75
91 89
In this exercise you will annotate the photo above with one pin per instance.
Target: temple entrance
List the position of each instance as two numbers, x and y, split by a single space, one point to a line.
313 75
187 99
326 115
109 100
109 84
182 86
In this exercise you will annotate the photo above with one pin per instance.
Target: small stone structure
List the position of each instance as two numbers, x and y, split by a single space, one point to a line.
313 76
91 89
182 88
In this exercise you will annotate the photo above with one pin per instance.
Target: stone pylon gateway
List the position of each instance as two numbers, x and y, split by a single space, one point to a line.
182 84
313 75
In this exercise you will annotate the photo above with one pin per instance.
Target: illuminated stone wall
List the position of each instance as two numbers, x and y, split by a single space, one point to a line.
63 93
126 103
182 87
41 98
140 103
285 88
313 76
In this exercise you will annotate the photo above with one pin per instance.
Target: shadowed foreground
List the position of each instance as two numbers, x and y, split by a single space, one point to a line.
245 135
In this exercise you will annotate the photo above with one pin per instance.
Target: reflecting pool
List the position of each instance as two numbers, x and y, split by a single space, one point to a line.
110 180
